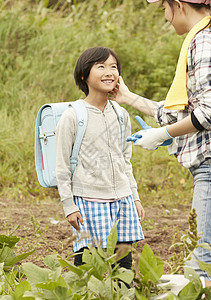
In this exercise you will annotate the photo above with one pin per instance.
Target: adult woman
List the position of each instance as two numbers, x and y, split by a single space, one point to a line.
187 109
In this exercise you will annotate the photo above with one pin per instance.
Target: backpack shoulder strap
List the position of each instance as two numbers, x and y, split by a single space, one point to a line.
120 115
81 114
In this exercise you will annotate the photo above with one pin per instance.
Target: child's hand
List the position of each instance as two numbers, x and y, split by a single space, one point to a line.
74 220
140 210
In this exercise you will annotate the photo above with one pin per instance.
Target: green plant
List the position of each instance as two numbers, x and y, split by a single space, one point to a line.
183 249
39 47
10 275
99 278
7 255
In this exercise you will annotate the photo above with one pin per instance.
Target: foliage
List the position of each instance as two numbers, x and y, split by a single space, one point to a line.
183 249
99 278
7 255
39 44
39 47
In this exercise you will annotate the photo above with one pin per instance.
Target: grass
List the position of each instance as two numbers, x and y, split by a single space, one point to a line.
39 47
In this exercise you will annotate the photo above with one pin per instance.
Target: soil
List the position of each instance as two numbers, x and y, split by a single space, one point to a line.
43 227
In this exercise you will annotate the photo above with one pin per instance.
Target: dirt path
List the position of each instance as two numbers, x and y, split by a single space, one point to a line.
42 226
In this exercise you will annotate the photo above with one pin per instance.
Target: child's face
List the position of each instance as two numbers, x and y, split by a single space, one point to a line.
103 76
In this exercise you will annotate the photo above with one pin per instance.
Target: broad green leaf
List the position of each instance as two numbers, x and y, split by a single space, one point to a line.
6 256
98 263
87 257
190 291
35 274
20 257
47 295
204 266
124 275
52 262
54 275
74 282
191 274
96 286
71 267
101 252
126 293
61 293
147 260
149 266
95 261
70 277
154 274
112 239
52 285
76 297
102 289
8 241
21 288
31 295
193 289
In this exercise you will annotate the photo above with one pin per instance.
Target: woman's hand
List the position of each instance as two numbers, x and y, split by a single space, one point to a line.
74 220
120 93
140 211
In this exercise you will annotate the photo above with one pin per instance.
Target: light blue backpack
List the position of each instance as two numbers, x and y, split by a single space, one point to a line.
45 139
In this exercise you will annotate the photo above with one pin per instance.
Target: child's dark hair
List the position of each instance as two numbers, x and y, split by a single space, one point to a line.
85 62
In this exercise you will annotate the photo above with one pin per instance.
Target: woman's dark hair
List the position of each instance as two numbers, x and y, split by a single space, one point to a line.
196 6
85 62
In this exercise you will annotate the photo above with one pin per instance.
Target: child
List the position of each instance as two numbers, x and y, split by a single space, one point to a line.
103 188
187 110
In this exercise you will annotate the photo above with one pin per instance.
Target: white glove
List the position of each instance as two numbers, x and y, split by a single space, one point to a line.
152 138
172 148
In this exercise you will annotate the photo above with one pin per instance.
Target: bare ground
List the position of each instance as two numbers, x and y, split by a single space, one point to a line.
36 228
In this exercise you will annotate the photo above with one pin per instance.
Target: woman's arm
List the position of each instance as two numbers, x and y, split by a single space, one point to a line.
122 95
152 138
181 127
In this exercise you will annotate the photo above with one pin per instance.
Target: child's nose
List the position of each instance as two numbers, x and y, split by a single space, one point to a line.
108 71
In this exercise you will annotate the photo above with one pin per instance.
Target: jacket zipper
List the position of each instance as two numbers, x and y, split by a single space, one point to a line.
106 125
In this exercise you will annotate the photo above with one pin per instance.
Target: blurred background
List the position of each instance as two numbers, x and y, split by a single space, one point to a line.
40 41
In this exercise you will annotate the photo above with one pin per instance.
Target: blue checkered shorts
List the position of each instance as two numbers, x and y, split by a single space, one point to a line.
99 218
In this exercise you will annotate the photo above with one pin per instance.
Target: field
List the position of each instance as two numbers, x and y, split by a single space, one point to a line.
39 46
43 227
